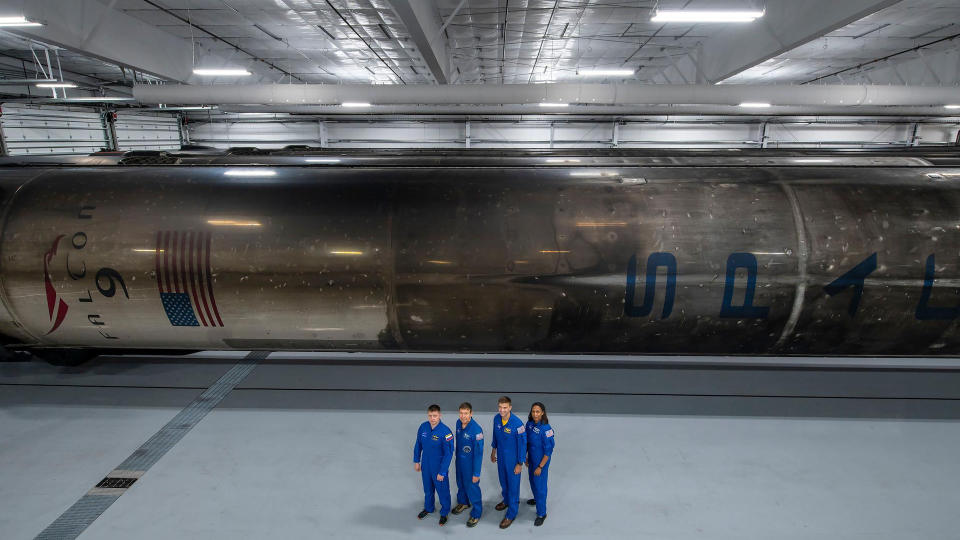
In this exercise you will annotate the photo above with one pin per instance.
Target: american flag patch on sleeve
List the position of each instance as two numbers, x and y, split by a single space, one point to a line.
521 429
449 437
549 433
479 436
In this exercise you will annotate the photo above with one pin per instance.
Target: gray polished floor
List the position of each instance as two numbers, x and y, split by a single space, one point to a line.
322 448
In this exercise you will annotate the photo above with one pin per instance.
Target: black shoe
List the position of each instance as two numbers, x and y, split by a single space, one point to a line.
423 514
532 502
472 522
459 508
443 520
539 521
501 506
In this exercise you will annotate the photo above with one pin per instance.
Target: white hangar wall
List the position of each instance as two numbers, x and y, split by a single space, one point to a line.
275 131
45 129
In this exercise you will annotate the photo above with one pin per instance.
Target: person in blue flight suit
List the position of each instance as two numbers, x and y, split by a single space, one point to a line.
540 443
431 456
510 440
469 461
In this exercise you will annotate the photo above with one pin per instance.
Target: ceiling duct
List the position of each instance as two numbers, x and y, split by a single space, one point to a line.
591 110
623 95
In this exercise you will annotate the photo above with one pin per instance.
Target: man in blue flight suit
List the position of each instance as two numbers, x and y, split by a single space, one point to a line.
510 439
469 461
436 448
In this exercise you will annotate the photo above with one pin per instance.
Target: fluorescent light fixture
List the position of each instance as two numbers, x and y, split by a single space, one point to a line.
17 21
951 106
813 160
56 85
102 98
250 172
605 72
665 16
543 104
346 252
225 72
321 160
355 104
562 160
754 105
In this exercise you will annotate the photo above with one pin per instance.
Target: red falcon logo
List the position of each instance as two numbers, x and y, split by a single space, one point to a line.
55 305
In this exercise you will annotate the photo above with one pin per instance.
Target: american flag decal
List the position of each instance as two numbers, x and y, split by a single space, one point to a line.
183 278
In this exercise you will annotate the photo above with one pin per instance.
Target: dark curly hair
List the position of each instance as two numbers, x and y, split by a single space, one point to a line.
543 419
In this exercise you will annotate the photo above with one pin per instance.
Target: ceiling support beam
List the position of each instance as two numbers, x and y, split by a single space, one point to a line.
218 62
423 24
92 28
95 29
786 25
902 55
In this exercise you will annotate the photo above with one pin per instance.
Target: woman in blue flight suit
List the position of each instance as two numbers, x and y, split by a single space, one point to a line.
540 442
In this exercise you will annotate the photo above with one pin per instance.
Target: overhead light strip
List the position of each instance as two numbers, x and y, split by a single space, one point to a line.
605 72
224 72
97 99
18 21
668 16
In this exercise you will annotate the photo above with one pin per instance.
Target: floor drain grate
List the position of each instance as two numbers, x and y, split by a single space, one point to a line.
122 483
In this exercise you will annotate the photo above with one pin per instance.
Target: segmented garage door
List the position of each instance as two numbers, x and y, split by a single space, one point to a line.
40 130
147 131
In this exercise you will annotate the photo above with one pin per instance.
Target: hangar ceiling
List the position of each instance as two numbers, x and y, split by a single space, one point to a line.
108 46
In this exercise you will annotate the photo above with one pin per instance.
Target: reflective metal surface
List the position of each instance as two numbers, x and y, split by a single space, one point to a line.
759 253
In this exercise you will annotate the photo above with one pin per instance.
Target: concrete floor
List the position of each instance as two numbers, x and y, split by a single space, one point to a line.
301 449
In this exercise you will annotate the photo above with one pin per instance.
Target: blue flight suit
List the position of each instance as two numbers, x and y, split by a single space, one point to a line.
511 444
469 461
540 442
436 447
